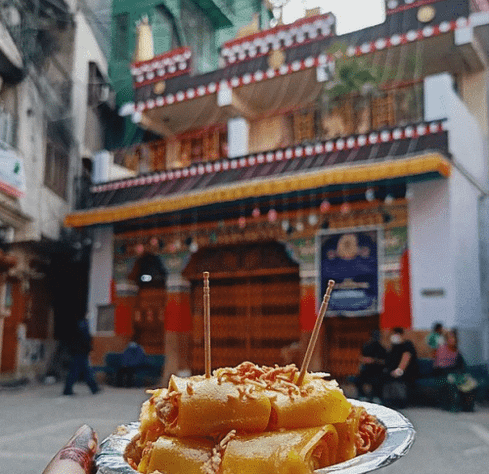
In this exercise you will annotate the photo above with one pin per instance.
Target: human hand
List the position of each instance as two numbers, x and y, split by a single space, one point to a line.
77 455
396 373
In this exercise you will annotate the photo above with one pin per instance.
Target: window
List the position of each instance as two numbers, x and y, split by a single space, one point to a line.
8 128
383 111
199 34
56 169
105 318
121 37
304 126
6 299
96 85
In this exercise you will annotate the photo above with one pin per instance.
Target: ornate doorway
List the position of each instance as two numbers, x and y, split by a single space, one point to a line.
255 297
149 311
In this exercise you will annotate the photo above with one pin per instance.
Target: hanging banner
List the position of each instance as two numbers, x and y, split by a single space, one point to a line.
12 176
351 258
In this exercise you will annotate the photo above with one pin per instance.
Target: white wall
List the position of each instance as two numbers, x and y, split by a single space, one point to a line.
457 240
431 264
45 207
86 50
101 270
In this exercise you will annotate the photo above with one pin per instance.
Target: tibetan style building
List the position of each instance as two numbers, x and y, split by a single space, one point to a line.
300 156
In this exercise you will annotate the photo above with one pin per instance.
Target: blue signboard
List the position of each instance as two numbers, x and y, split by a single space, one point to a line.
351 258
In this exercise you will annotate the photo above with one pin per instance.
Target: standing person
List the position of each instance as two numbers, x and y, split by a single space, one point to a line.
435 338
401 369
80 346
372 365
133 358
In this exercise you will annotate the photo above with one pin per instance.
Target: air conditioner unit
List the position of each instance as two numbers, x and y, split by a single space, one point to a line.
104 94
11 15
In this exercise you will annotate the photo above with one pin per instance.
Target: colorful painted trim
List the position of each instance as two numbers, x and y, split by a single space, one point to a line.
10 190
281 37
326 146
161 67
350 174
409 37
396 6
322 60
237 81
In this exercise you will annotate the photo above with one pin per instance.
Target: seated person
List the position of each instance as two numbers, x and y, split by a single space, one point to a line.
372 363
435 338
133 358
458 389
401 368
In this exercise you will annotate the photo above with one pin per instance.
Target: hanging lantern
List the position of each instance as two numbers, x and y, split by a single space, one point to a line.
299 226
345 208
370 195
193 247
256 212
242 222
312 219
389 199
139 249
272 215
285 225
325 206
154 242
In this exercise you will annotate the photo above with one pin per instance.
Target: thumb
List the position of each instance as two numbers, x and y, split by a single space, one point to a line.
76 456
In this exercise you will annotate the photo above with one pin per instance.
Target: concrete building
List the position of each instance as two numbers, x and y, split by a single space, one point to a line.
293 153
54 102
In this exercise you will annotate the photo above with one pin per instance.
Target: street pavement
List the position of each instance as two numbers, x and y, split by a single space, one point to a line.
36 421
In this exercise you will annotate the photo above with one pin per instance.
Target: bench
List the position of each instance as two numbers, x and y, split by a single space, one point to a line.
426 390
148 375
427 387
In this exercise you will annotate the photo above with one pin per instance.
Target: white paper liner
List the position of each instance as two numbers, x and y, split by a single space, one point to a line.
399 438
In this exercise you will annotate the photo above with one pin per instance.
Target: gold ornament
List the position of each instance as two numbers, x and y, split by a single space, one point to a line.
276 59
159 87
426 14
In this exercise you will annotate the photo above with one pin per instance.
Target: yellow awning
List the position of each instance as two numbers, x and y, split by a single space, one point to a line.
338 175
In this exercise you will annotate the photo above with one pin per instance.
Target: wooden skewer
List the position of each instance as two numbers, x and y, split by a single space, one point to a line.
207 326
315 333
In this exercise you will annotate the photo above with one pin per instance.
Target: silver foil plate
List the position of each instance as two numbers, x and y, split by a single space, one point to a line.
399 438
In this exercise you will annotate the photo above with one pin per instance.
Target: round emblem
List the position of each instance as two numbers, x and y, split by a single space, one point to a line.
159 87
426 14
276 58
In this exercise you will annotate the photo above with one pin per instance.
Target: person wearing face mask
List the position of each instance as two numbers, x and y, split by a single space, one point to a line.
401 368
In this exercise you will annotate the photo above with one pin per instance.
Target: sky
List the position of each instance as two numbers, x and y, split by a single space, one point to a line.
350 15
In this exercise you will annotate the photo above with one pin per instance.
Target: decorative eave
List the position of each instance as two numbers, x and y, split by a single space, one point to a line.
401 28
281 37
300 151
409 151
429 163
164 66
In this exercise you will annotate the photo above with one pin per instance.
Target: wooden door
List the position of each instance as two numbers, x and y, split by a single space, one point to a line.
254 309
344 338
149 319
8 363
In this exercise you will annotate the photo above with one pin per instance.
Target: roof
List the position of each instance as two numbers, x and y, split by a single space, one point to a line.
400 27
389 153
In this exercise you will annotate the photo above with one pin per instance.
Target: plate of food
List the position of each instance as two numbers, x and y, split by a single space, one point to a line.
255 419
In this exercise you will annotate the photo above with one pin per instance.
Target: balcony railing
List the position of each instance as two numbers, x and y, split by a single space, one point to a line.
356 114
349 115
